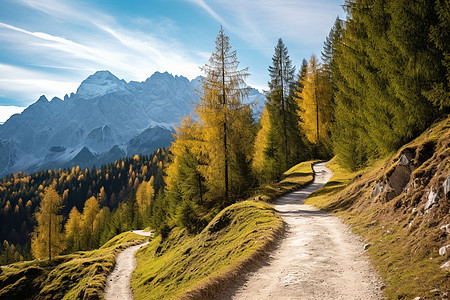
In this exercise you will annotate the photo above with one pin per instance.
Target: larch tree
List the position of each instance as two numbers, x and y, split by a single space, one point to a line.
73 230
227 121
261 140
47 240
90 211
144 196
315 107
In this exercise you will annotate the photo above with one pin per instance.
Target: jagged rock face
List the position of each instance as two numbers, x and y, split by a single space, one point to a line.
105 120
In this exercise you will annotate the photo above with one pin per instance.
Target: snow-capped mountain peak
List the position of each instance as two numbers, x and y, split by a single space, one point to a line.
99 84
105 120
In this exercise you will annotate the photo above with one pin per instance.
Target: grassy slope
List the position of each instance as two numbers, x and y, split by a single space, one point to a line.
186 266
76 276
405 238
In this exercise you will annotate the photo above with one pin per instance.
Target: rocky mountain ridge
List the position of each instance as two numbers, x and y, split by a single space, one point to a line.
106 119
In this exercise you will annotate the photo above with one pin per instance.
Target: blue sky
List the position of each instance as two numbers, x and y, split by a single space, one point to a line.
49 46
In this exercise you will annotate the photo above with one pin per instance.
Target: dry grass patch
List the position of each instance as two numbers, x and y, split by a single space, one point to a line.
389 205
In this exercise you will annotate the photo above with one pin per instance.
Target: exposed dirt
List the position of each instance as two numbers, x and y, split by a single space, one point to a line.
319 257
118 283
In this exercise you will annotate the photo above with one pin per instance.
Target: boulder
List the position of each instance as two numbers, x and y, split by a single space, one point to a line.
377 189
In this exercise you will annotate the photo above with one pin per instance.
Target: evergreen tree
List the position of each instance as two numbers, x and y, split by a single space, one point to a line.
281 106
48 238
389 78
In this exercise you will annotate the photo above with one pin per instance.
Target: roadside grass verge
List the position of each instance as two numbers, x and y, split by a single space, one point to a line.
81 275
199 266
186 266
404 232
293 179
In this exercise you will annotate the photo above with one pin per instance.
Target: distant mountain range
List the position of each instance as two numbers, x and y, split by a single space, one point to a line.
106 119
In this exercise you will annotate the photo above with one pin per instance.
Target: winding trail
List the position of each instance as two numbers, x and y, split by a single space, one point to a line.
319 257
118 282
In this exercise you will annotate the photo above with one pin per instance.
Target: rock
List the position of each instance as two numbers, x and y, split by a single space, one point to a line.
432 199
444 250
377 189
403 161
445 228
446 185
366 246
414 210
417 298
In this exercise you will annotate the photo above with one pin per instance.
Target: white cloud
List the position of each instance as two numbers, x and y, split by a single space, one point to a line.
261 22
8 111
101 43
31 84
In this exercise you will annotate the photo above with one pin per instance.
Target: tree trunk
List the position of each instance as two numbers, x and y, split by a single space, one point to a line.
50 238
224 104
283 112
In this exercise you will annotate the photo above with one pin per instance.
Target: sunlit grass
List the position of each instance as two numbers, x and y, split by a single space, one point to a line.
196 265
82 274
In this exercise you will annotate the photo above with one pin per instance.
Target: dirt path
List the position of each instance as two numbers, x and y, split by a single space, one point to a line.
319 257
118 282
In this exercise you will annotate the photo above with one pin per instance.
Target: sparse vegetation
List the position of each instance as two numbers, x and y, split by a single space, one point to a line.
405 234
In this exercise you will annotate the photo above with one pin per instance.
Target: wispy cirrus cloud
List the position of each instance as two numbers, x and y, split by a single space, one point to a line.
78 40
31 83
304 23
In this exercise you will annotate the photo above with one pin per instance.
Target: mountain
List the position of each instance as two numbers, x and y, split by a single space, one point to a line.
106 119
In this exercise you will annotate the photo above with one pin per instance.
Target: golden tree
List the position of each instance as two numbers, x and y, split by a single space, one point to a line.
90 211
73 230
227 121
47 240
315 105
144 195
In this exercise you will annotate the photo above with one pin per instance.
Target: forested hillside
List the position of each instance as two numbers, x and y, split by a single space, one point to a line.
390 75
110 185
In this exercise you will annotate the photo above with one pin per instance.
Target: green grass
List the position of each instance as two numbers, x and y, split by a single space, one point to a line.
293 179
196 266
79 275
404 242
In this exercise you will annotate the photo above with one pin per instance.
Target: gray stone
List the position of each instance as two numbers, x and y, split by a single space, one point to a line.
445 228
444 250
446 266
417 298
403 161
446 185
432 199
366 246
377 189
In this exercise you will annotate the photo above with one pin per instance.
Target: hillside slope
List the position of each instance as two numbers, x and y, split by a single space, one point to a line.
401 207
81 275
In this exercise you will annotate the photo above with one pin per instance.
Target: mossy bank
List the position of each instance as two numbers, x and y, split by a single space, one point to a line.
81 275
